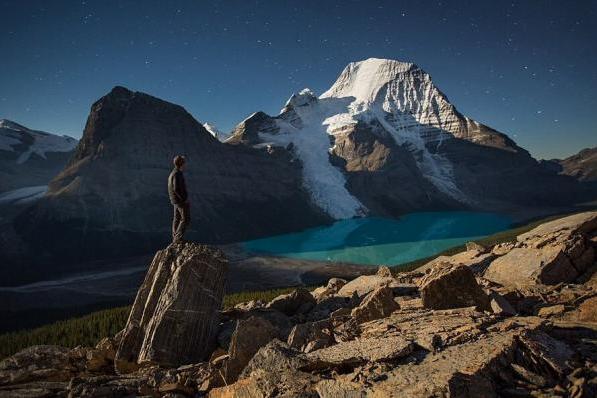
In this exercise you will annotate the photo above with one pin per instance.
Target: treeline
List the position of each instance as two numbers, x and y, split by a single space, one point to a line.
89 329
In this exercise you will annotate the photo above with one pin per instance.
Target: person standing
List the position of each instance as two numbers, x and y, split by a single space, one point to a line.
177 191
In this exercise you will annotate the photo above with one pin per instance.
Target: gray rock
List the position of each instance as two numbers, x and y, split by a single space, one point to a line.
174 319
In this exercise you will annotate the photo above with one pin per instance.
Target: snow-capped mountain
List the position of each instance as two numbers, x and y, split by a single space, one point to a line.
217 133
385 139
30 157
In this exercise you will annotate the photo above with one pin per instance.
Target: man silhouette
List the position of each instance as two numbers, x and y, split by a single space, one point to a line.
177 190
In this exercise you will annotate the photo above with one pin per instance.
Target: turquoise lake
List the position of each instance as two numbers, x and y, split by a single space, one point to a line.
377 241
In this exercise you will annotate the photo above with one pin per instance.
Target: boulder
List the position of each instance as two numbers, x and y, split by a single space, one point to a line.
175 316
378 304
500 305
587 311
299 301
311 336
384 272
327 305
555 353
502 248
273 371
452 286
474 246
525 266
249 335
276 355
365 284
101 358
332 287
477 260
551 310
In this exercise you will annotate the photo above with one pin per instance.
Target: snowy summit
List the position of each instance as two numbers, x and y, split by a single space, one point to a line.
17 138
387 98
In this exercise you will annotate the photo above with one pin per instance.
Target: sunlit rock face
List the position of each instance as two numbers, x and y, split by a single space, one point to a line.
385 140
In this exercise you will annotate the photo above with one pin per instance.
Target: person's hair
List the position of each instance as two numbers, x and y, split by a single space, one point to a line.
179 160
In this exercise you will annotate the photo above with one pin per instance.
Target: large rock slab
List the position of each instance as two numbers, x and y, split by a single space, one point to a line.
458 371
527 266
358 351
577 223
175 316
554 252
452 286
249 336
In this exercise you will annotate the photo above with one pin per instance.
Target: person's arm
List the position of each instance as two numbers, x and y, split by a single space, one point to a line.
181 188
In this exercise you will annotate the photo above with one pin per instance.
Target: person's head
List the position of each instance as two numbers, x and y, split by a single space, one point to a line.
179 162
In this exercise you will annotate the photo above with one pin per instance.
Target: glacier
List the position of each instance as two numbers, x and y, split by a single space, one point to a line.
393 97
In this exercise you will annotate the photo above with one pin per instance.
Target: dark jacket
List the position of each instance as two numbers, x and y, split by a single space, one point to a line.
177 189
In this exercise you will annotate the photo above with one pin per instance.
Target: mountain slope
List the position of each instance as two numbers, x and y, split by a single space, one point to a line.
582 166
30 157
111 199
385 140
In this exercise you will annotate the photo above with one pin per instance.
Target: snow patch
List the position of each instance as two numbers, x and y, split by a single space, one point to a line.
214 131
13 134
23 195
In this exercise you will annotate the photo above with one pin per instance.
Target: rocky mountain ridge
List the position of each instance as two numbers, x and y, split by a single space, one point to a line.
582 165
485 322
30 157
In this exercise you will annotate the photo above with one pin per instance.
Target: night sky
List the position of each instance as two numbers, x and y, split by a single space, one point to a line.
528 68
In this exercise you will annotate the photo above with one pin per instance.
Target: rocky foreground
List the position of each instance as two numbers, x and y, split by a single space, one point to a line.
517 319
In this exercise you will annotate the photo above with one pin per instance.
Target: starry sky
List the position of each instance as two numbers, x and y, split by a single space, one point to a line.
525 68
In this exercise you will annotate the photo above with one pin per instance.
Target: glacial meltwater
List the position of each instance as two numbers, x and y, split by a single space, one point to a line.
377 241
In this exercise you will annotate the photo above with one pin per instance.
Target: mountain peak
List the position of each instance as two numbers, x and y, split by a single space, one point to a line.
364 79
5 123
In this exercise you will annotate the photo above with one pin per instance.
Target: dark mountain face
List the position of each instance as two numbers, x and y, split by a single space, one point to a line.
111 200
29 157
582 166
